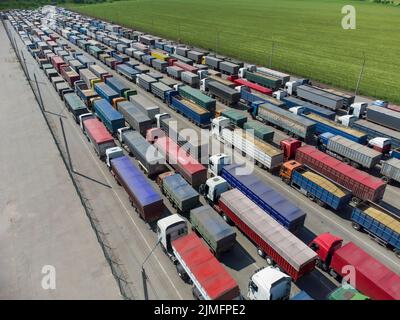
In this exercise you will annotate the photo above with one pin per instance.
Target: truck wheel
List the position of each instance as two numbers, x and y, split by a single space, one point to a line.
320 203
226 218
260 252
269 260
356 226
310 196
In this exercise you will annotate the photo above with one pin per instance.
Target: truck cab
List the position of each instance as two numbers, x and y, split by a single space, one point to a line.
289 147
169 229
202 74
269 283
112 153
217 124
121 132
358 109
380 103
84 117
279 94
217 162
287 170
325 246
298 110
161 116
203 84
291 86
213 188
347 120
380 144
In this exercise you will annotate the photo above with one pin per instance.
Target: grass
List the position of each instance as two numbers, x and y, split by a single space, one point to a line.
307 35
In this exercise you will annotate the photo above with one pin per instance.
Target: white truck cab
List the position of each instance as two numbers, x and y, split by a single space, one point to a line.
176 86
299 110
217 162
380 103
112 153
269 283
203 84
380 144
358 109
202 74
279 94
120 132
161 116
347 120
213 188
217 124
84 117
170 228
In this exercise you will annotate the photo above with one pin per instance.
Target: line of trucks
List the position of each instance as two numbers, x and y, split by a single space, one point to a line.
273 220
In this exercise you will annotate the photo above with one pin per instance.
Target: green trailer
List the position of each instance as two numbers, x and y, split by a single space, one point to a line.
198 97
237 118
212 227
75 105
349 293
264 80
261 131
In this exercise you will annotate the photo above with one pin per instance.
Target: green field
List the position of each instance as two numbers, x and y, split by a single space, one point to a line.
307 34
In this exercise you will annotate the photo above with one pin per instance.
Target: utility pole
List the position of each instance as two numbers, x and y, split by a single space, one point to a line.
272 53
66 145
179 32
144 275
39 93
217 43
360 75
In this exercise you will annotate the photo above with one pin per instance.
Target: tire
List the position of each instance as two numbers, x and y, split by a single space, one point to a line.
260 252
226 218
269 260
356 226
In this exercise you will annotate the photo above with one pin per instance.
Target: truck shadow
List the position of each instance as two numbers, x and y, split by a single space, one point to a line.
316 284
237 258
391 208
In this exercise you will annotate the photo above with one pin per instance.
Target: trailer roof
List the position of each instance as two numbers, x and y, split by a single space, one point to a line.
380 129
106 108
97 130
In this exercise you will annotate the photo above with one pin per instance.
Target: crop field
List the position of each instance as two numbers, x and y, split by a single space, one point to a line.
304 37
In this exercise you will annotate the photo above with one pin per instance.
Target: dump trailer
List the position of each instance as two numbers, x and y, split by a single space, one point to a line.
224 93
384 116
160 90
198 97
361 184
150 160
118 86
289 122
381 224
272 239
145 81
179 192
216 232
261 131
236 118
186 165
265 155
75 105
105 91
349 151
190 110
98 135
145 105
374 130
391 170
134 116
320 96
325 125
372 277
316 187
263 79
146 200
112 119
210 280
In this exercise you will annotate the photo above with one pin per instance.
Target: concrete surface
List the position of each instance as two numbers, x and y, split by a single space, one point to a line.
42 221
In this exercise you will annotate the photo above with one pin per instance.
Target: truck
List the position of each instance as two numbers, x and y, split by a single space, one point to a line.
97 134
135 117
213 62
143 197
186 165
361 184
198 97
290 123
88 77
145 81
325 125
316 187
87 95
75 105
265 155
127 71
224 93
384 116
160 90
274 242
250 96
320 97
236 118
228 67
174 72
349 151
105 91
69 75
289 147
201 117
146 106
280 75
112 119
119 87
373 130
213 229
252 86
194 261
150 160
99 71
186 66
391 170
381 224
261 78
190 78
260 130
373 278
159 65
178 191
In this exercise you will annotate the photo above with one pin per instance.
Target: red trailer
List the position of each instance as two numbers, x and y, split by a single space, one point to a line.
193 172
253 86
185 66
362 185
69 75
209 277
57 62
273 240
371 277
99 136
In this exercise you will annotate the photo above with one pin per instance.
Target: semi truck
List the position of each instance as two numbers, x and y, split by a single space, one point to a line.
361 184
198 97
391 170
384 116
372 278
225 94
290 123
146 106
261 78
265 155
178 191
269 283
194 261
381 224
320 96
112 119
143 197
349 151
261 131
135 117
75 105
373 130
315 186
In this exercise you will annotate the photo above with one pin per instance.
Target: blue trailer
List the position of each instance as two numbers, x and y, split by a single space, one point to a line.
193 112
120 57
374 130
142 195
396 153
105 91
308 107
147 59
250 97
326 125
302 295
112 119
271 201
118 86
127 71
84 60
379 223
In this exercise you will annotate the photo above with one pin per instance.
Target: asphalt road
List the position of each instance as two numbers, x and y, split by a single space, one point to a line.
123 225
